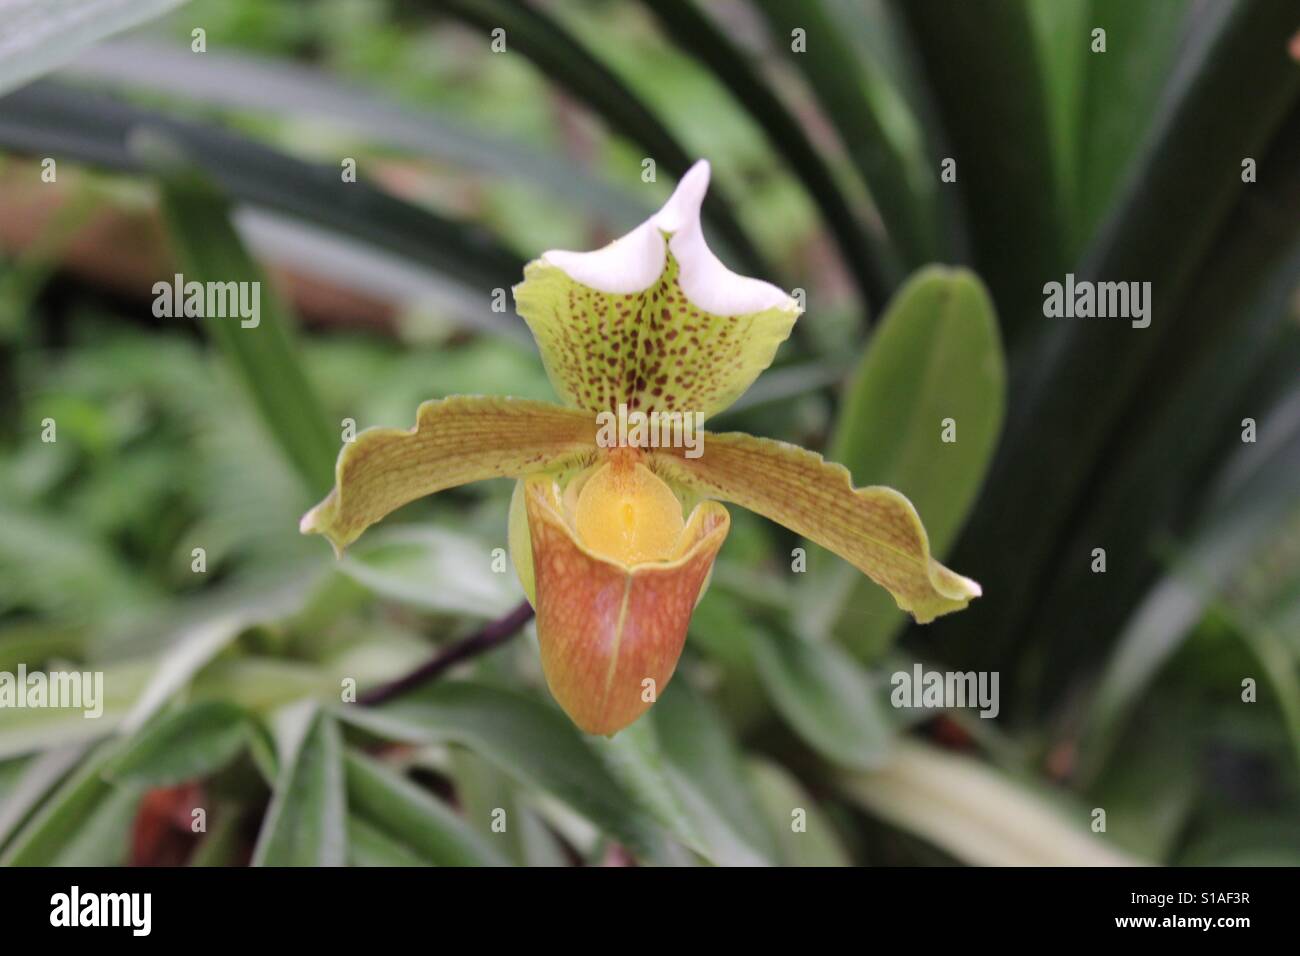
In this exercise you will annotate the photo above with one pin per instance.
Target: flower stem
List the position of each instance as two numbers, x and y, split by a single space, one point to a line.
492 634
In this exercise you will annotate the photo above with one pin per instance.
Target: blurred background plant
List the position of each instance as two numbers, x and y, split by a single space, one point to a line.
827 123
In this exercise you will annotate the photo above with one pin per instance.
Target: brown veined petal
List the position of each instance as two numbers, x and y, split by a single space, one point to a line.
875 529
455 441
605 629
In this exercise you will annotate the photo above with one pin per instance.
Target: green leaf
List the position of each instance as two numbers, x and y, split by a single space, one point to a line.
306 823
867 257
1062 30
223 844
705 768
1120 95
202 635
55 565
1259 496
190 743
936 356
413 818
37 776
804 834
102 837
482 789
47 118
83 822
993 105
1077 385
883 138
824 695
41 35
777 386
1262 839
433 569
1278 662
1153 785
11 771
263 356
635 758
531 742
290 92
1186 410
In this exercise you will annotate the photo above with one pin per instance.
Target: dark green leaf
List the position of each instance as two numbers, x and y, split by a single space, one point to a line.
1185 417
993 106
1076 388
566 62
866 257
292 91
883 138
262 355
1120 94
48 119
1263 496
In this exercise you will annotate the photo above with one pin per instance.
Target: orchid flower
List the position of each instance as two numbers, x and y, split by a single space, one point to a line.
614 543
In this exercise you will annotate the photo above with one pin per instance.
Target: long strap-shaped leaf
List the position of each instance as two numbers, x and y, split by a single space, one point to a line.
983 68
286 90
1071 392
1252 512
262 355
413 818
568 63
1118 94
867 257
977 814
883 138
48 119
306 822
1188 406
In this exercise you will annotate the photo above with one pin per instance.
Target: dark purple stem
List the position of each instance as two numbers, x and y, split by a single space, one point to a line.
492 634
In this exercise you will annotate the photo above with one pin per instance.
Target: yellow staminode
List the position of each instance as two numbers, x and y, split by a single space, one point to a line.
628 514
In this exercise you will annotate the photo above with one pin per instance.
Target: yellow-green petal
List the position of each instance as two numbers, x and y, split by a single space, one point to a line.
875 529
653 320
455 441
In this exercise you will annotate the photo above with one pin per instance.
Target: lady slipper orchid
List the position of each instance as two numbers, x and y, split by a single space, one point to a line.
602 540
